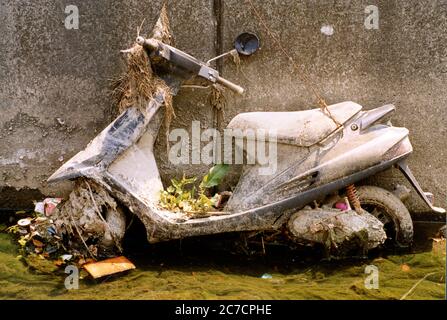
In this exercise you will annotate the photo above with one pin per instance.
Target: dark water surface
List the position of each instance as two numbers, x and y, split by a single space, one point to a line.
198 270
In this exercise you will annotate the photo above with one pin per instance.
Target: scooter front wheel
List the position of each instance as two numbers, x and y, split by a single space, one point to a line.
390 210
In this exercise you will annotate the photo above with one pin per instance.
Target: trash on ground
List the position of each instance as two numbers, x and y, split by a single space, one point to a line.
266 276
66 257
24 222
47 206
50 204
108 267
74 231
39 207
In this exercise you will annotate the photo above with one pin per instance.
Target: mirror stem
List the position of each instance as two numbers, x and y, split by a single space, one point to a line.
221 56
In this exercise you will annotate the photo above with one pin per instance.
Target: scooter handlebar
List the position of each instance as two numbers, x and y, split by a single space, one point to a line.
147 43
188 62
230 85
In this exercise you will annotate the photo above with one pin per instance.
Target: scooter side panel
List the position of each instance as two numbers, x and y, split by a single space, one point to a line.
343 155
137 169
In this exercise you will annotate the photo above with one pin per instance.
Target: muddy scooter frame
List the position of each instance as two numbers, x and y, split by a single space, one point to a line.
121 159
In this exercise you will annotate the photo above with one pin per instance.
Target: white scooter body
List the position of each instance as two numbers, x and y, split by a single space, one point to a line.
305 173
315 158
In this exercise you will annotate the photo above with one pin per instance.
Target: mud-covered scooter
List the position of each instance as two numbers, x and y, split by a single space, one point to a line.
310 198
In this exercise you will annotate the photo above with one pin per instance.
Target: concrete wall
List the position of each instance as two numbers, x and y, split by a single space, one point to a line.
55 82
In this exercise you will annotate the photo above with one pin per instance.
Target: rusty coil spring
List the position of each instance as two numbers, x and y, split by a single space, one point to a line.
353 197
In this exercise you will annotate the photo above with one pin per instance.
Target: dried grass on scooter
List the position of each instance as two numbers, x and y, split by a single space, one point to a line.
218 101
139 84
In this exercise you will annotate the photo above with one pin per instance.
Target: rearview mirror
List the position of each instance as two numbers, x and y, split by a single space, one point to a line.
247 43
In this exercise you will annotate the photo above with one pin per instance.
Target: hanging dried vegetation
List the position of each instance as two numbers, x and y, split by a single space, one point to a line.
139 84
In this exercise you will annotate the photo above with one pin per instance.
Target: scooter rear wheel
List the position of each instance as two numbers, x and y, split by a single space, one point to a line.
390 210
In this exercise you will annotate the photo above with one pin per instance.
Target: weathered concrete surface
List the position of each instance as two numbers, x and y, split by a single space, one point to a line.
48 72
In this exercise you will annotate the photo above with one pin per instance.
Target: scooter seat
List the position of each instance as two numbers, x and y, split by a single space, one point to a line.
302 128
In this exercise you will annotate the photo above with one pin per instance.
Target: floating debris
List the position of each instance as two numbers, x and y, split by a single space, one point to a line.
108 267
71 231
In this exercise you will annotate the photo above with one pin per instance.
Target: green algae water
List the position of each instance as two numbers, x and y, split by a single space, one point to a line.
172 272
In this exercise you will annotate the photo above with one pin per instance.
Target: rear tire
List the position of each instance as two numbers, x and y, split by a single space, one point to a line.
388 208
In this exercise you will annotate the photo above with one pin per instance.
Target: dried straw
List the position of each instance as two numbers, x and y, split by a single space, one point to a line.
139 84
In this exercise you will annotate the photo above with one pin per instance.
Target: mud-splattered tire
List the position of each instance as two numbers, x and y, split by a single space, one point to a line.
390 211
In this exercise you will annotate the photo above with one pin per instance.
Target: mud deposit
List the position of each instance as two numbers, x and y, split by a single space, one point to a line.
198 269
